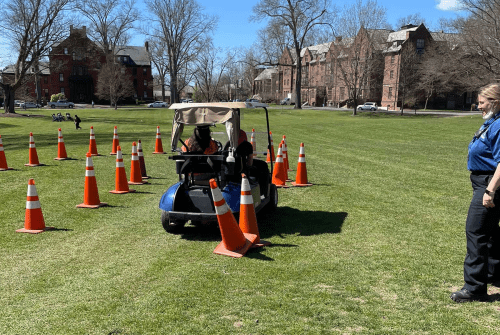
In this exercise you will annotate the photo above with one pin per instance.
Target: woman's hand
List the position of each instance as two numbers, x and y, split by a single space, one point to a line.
488 200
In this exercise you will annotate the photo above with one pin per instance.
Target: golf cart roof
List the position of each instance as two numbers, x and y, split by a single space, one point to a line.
201 114
223 105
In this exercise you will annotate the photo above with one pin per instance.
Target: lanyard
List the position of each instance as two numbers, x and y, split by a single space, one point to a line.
481 130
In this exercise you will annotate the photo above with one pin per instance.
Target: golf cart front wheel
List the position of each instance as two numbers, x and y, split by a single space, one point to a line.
174 226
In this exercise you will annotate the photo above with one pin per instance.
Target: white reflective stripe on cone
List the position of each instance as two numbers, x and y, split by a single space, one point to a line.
32 204
89 173
32 145
302 159
221 210
32 191
217 195
120 164
246 199
89 162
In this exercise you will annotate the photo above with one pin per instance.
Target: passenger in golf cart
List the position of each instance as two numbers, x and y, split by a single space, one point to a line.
200 158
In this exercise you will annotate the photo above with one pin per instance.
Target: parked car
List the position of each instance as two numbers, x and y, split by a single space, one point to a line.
156 104
17 103
252 100
29 104
61 103
285 101
372 106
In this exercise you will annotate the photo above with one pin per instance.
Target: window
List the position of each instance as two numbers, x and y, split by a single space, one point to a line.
122 70
420 43
341 93
392 59
46 92
144 71
61 77
391 74
74 55
45 80
134 71
390 93
62 90
145 94
65 51
145 83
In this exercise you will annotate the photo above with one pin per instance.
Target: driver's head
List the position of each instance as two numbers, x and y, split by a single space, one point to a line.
202 132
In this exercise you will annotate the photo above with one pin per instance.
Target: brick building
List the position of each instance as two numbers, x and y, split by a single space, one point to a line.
328 72
74 66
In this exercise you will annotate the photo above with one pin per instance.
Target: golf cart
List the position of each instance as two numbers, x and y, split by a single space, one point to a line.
190 199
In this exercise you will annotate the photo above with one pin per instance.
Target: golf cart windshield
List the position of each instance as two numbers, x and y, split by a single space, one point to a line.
203 114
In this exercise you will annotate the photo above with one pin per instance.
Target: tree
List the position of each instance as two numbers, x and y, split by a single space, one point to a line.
299 18
363 32
481 35
184 29
30 27
209 71
114 83
415 18
110 22
157 53
408 73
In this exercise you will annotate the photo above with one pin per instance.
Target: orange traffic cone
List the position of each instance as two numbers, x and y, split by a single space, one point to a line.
92 144
285 159
116 142
3 160
33 219
270 155
248 218
61 148
33 156
91 194
279 173
234 243
135 168
158 145
285 148
301 177
121 184
253 143
142 163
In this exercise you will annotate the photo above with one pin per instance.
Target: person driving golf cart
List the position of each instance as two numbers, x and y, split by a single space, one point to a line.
201 142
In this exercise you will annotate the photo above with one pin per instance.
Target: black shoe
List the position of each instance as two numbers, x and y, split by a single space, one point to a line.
464 295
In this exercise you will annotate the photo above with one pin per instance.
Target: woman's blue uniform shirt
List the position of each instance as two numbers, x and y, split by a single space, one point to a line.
484 152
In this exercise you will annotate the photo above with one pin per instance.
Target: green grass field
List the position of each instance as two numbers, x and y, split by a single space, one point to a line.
376 246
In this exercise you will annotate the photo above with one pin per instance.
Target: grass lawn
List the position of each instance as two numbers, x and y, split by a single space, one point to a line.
376 246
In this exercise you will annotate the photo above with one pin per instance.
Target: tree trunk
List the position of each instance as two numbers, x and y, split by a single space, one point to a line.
8 99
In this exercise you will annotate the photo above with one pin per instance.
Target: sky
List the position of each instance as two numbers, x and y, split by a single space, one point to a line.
236 30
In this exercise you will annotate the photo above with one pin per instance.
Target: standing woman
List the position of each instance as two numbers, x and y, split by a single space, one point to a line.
482 261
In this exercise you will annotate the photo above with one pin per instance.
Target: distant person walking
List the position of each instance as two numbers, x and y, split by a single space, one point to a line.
482 261
77 122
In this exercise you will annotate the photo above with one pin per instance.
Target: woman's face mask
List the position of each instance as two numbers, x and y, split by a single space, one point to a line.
489 107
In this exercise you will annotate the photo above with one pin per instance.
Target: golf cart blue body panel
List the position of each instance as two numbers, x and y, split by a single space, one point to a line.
168 198
231 193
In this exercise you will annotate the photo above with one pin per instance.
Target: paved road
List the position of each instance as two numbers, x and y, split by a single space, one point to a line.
406 111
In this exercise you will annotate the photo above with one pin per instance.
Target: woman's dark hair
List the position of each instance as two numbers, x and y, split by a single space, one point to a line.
200 140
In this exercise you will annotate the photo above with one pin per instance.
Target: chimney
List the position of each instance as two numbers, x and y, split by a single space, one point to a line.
338 39
146 45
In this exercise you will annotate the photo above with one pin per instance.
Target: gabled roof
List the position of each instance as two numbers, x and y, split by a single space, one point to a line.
44 69
267 74
400 35
139 55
